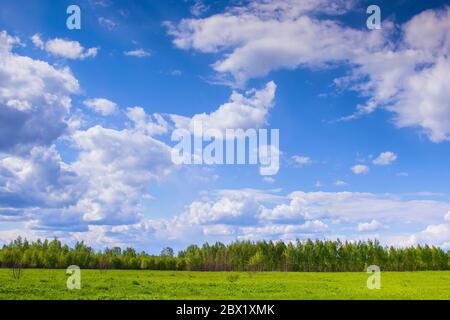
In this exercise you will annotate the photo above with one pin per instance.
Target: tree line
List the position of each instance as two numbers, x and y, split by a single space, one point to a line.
331 256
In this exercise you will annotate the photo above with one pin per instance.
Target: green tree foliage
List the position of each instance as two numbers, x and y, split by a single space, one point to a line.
303 256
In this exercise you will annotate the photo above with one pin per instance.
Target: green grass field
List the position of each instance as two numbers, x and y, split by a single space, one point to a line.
115 284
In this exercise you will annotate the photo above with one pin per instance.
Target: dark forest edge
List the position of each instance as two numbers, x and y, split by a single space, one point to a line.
319 256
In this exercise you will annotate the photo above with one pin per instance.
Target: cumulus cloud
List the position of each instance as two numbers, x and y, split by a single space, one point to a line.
435 234
32 118
385 159
37 179
64 48
432 235
411 80
360 169
406 75
112 170
100 193
98 196
369 226
118 167
226 215
37 41
243 111
105 185
152 124
103 106
354 206
266 36
283 231
36 113
225 210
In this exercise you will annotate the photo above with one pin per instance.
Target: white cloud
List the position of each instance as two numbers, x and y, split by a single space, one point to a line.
138 53
64 48
282 231
360 169
219 230
385 159
152 124
406 75
37 41
302 160
109 177
432 235
227 215
225 210
411 80
35 102
118 167
243 111
436 230
103 106
106 183
265 36
36 113
369 226
36 179
438 234
354 206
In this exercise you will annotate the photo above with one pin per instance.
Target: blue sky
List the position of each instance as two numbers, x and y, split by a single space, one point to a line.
86 118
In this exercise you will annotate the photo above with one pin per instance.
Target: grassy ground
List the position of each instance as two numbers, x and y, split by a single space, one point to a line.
114 284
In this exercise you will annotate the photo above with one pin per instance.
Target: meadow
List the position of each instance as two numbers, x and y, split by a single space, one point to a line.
50 284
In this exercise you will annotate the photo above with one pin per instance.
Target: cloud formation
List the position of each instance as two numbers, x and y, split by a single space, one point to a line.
101 105
385 159
360 169
226 215
67 49
369 226
112 170
243 111
407 76
36 114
